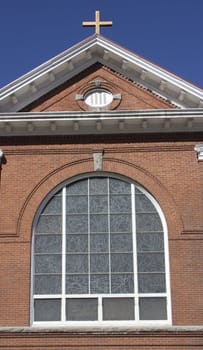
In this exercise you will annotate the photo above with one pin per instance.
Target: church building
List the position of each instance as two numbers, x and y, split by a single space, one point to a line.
101 204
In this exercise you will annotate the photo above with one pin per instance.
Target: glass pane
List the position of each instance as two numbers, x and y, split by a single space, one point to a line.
48 263
81 309
77 243
121 242
99 284
121 223
77 263
98 204
99 263
47 284
98 185
118 309
99 243
151 283
54 206
153 309
122 283
77 204
47 310
150 242
79 187
49 224
122 262
76 284
48 244
119 186
143 204
151 262
77 223
148 223
98 223
120 204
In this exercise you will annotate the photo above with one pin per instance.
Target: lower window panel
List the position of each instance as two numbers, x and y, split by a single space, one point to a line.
81 309
118 309
152 309
47 310
111 309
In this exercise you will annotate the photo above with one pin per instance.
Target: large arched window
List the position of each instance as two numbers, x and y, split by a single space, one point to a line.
100 255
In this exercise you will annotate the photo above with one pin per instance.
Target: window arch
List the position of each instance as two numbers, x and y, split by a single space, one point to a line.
100 254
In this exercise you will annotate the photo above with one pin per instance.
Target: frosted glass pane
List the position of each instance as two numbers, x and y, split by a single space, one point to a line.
151 283
121 223
54 206
121 242
148 222
77 204
98 185
98 204
47 284
119 186
48 244
99 243
49 224
143 204
81 309
118 309
77 243
47 310
77 263
153 309
151 262
98 223
77 223
79 187
120 204
48 263
99 262
76 284
122 283
99 284
122 262
150 242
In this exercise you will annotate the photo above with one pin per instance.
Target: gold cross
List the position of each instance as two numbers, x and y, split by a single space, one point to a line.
97 24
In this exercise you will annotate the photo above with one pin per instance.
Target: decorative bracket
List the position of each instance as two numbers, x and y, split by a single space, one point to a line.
98 157
1 158
199 150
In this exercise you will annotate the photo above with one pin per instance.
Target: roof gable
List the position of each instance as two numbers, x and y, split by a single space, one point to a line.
97 49
70 96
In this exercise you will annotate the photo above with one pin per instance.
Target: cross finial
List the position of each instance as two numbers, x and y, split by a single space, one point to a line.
97 23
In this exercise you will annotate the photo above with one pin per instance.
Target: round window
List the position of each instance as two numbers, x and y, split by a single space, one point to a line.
98 98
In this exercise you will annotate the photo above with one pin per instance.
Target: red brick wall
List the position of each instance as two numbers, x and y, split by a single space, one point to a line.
167 168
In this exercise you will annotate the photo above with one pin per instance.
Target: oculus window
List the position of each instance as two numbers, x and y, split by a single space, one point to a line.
98 98
100 254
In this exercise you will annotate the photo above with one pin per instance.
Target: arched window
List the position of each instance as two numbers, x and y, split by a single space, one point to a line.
99 255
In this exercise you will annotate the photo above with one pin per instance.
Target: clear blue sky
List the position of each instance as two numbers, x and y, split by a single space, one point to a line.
167 32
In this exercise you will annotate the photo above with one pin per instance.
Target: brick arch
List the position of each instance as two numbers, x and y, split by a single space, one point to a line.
111 166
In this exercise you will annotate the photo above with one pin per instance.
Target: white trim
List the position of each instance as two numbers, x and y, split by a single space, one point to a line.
179 121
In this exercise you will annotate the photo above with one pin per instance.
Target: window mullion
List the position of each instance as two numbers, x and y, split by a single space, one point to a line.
63 297
109 233
88 218
134 251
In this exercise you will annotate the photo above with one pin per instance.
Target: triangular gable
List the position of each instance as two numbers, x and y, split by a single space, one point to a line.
97 49
70 96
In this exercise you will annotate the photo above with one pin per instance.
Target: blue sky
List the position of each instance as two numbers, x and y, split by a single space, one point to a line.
166 32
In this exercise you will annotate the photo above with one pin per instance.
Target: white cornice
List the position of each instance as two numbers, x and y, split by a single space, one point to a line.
71 62
115 122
